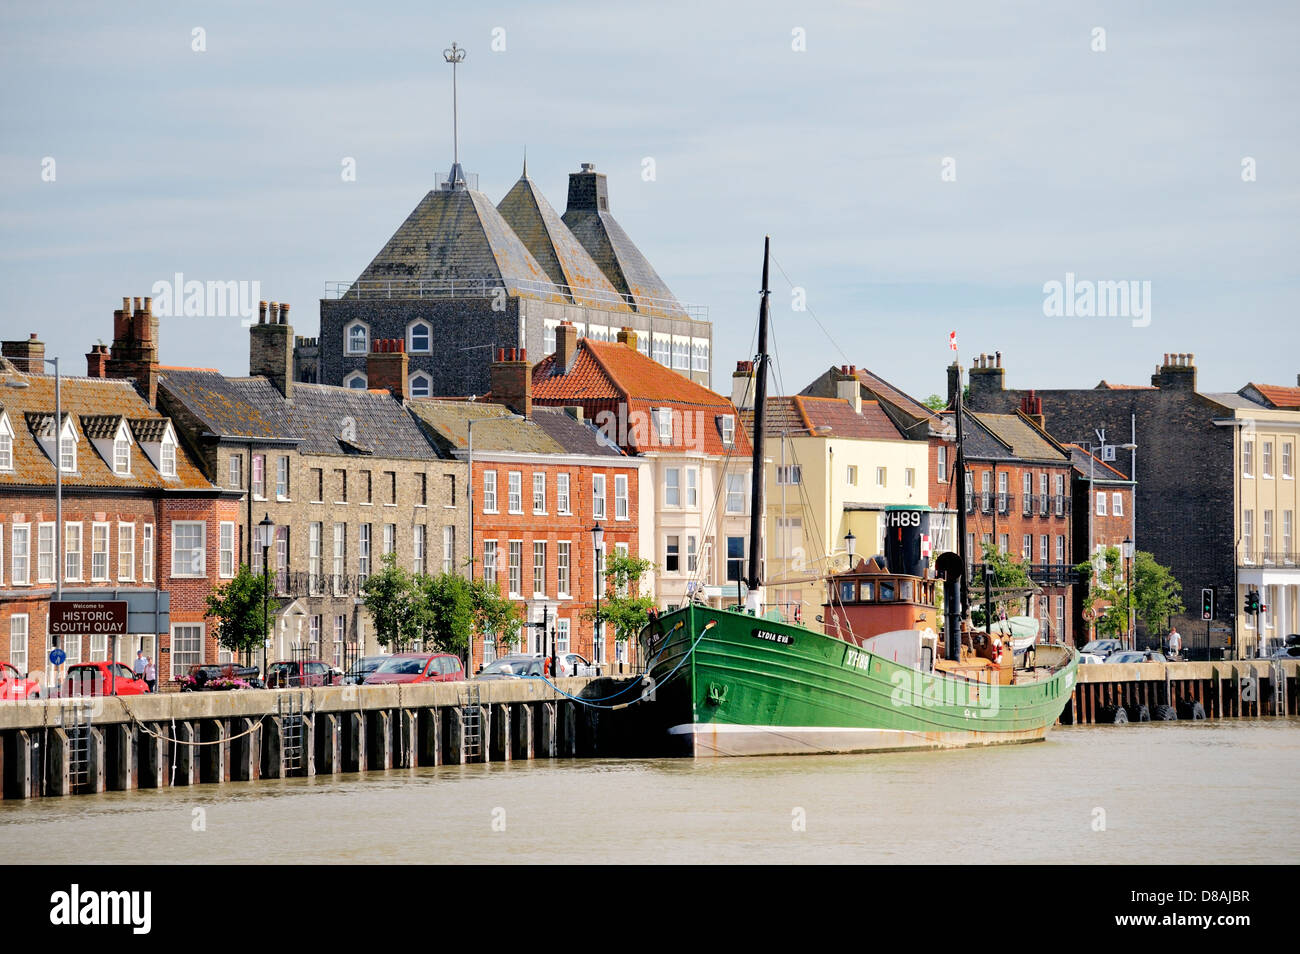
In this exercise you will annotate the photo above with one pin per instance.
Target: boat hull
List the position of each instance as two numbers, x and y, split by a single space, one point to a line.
727 683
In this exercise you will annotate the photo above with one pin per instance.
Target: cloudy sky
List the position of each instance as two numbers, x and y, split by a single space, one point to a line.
921 166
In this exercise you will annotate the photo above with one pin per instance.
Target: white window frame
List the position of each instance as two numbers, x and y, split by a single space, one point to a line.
100 575
563 565
147 553
539 569
1266 460
44 533
19 631
663 422
282 488
419 385
599 499
411 345
226 549
1247 458
882 476
692 487
562 501
1101 503
621 508
515 569
941 464
514 491
563 635
448 548
735 493
491 559
672 487
122 456
728 430
192 572
909 477
355 381
1116 504
490 491
351 326
539 492
363 552
167 456
126 549
180 662
70 530
419 540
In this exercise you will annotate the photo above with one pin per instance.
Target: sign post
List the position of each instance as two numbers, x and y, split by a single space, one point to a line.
87 618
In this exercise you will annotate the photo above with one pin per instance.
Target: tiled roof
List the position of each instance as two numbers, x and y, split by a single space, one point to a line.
93 399
887 392
456 234
576 437
100 426
1277 396
230 407
447 423
148 430
801 413
1105 385
548 239
606 372
323 415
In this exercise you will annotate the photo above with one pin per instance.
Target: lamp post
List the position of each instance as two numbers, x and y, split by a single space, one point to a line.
266 529
988 598
1128 593
850 546
598 540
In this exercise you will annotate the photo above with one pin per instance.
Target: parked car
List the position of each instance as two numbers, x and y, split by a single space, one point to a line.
362 668
15 685
102 679
571 664
1102 647
309 672
201 674
1135 656
514 666
417 667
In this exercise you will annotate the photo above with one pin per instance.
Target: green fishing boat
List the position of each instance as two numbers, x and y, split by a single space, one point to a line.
875 677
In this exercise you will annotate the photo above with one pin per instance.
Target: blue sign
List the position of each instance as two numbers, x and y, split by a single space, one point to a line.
58 657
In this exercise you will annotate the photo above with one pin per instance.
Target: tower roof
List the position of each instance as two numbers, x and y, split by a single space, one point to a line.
587 216
553 246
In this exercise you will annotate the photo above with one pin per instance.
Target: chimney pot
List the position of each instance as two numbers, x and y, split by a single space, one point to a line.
139 305
148 305
126 306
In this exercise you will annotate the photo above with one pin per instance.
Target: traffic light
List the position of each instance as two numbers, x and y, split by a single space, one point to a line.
1207 603
1252 601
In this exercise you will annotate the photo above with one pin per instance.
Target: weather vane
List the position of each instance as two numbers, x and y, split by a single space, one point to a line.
453 56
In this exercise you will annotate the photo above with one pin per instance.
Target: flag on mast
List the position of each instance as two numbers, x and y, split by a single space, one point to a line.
952 340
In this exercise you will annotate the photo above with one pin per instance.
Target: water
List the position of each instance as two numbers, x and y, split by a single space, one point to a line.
1170 792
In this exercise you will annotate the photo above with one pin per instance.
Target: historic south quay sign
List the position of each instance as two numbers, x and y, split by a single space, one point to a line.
88 618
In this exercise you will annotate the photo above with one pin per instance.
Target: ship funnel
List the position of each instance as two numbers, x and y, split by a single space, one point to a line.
907 540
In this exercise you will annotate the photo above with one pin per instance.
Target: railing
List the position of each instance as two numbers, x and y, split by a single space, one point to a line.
986 501
491 287
1029 502
1044 574
1256 558
1004 503
298 583
1062 505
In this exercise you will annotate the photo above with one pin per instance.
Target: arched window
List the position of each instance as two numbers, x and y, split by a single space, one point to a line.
420 338
356 381
420 385
356 338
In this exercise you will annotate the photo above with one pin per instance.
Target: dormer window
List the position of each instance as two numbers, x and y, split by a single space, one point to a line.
6 443
728 429
167 456
663 417
122 456
68 448
356 338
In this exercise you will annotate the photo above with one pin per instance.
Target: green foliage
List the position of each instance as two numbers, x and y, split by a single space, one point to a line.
1107 596
1155 592
936 403
495 616
623 608
1008 574
390 596
242 624
444 612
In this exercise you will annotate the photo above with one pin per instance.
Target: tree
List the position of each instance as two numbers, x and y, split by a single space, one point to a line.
1155 592
1107 598
391 597
444 613
935 403
1008 574
494 616
244 609
623 607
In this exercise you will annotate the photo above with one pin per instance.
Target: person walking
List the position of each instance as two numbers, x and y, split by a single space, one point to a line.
150 674
138 666
1175 643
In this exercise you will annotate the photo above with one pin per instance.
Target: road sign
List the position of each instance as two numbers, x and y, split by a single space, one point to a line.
88 617
58 657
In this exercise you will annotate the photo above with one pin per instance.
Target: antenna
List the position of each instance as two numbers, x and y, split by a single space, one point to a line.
454 55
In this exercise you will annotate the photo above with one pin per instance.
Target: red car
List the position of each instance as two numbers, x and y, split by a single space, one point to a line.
417 667
309 672
14 685
102 679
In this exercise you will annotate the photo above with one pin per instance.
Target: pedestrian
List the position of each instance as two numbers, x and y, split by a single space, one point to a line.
150 675
138 666
1175 643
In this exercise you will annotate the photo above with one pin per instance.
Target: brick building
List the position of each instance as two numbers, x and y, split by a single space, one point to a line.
1103 507
541 483
140 523
698 481
347 477
461 279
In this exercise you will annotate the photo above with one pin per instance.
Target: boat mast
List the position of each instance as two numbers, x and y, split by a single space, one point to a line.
754 580
961 497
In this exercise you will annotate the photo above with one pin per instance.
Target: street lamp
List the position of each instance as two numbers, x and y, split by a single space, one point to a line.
850 546
1128 592
266 532
598 540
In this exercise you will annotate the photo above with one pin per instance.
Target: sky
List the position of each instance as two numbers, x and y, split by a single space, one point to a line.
921 167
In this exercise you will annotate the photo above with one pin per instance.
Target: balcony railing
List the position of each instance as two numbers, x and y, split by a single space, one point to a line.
1004 503
1260 558
1029 502
986 502
1044 574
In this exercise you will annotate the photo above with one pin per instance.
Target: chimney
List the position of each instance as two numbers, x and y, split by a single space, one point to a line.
512 380
1032 407
134 355
97 361
628 336
566 346
954 384
1178 373
387 366
587 191
987 376
742 385
574 411
847 387
270 348
27 355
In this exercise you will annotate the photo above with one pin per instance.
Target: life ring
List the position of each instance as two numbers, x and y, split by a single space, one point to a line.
997 651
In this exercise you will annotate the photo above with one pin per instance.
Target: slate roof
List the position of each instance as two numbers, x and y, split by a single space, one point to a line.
1087 463
447 423
91 399
555 248
886 391
456 234
1011 437
576 437
622 262
252 409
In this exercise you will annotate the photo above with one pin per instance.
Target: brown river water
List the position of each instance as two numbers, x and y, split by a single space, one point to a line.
1182 792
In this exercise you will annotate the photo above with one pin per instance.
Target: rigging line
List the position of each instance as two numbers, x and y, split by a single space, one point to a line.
812 314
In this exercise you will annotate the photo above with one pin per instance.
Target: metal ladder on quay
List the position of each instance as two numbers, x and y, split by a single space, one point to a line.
289 709
74 719
471 712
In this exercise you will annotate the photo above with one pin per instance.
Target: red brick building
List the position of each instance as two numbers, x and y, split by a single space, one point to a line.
140 522
1103 507
540 484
